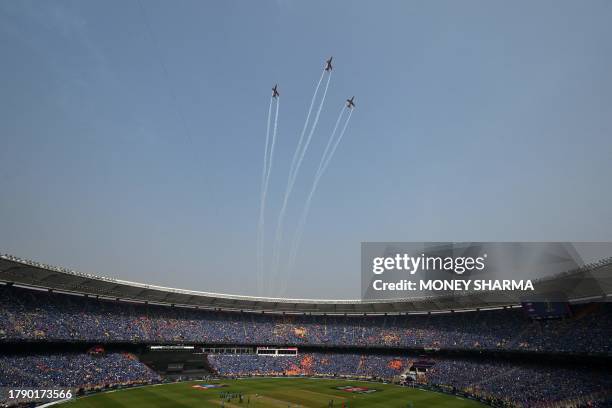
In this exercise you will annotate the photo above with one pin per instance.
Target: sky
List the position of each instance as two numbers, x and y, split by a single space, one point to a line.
132 132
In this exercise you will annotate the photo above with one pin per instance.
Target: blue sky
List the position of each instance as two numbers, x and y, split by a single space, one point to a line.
132 133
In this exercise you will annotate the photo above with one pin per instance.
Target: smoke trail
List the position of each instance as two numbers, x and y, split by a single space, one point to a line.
325 160
273 143
331 139
312 129
290 183
301 139
337 142
295 157
298 233
260 224
271 159
302 221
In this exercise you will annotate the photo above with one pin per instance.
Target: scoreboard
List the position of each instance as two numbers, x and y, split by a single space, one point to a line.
277 351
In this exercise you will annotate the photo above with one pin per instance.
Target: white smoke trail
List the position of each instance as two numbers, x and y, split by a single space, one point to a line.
312 130
302 221
290 183
325 160
260 224
331 139
298 147
274 132
301 139
337 142
270 162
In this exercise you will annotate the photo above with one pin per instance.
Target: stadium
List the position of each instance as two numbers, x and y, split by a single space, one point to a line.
91 335
305 204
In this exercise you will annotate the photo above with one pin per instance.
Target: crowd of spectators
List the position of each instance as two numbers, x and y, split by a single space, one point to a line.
30 315
523 384
516 384
355 365
71 371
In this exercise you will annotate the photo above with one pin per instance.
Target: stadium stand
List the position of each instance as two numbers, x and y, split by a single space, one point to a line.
496 382
36 315
505 357
73 370
77 371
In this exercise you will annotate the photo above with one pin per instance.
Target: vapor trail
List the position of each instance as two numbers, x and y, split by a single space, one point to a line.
302 221
273 143
330 141
312 130
325 160
260 224
337 142
291 181
270 162
301 139
317 176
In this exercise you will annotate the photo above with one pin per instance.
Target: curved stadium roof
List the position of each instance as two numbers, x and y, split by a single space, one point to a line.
591 282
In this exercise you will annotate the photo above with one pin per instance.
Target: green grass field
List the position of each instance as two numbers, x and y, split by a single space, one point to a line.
272 392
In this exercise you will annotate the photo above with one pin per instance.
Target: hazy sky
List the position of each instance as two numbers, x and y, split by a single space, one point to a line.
131 134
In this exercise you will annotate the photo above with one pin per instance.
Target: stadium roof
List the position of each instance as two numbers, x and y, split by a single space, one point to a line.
591 282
